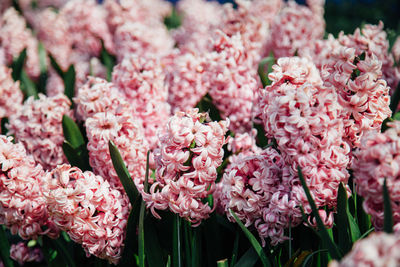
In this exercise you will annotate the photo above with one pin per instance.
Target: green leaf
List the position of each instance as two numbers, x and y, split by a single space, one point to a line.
332 248
17 65
141 217
176 242
387 212
261 70
56 67
249 259
342 222
43 69
253 241
235 249
354 229
196 248
128 258
173 21
222 263
309 257
63 252
394 100
153 248
72 133
188 235
108 60
27 86
69 82
123 174
5 249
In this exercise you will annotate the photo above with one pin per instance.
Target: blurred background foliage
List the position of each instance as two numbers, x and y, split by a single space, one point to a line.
347 15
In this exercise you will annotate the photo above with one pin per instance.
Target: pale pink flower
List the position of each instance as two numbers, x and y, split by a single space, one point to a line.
378 158
87 26
266 10
86 207
85 67
186 166
244 143
141 80
120 127
142 40
97 95
291 31
316 6
14 37
200 19
52 30
372 40
37 125
396 50
304 119
185 80
232 81
258 189
22 254
4 5
378 250
362 93
54 84
10 95
22 205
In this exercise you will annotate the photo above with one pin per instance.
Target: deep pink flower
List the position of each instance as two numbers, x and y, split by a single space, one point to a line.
378 158
91 212
186 165
22 254
37 125
378 250
10 95
22 205
15 37
141 80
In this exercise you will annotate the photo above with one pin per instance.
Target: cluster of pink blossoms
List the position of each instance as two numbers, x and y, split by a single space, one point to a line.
378 250
22 254
378 158
11 95
37 125
85 206
141 80
22 204
109 117
186 165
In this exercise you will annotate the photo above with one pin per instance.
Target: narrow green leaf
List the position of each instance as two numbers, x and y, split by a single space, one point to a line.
309 257
367 233
261 70
394 100
43 69
18 65
56 67
5 249
354 229
235 249
63 252
168 261
176 242
342 222
196 248
222 263
3 128
74 157
253 241
128 258
332 248
249 259
69 82
141 217
173 21
27 86
387 212
153 249
188 235
108 60
123 174
72 133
